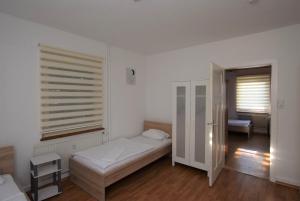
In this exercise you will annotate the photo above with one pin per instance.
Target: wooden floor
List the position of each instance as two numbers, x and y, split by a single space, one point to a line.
160 181
250 156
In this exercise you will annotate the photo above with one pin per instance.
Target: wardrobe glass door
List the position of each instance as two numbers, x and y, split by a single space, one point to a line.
198 124
181 122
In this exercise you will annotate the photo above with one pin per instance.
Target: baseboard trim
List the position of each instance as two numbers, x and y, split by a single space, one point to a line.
287 182
288 185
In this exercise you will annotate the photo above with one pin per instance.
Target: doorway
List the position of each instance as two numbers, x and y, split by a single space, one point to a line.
248 117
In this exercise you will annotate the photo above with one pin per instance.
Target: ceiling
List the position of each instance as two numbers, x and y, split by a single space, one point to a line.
152 26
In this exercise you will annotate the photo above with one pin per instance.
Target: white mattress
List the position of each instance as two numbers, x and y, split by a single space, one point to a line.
156 144
9 191
240 123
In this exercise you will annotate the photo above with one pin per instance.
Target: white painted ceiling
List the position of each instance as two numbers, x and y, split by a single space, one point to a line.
152 26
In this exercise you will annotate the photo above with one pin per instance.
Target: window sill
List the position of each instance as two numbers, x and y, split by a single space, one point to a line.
71 134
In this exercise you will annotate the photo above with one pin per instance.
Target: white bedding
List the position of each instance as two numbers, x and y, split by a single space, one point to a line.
241 123
124 158
9 191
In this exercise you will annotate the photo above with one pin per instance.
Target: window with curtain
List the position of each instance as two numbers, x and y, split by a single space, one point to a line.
71 93
253 93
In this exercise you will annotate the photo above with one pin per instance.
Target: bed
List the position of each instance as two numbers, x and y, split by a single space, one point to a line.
9 191
94 176
240 126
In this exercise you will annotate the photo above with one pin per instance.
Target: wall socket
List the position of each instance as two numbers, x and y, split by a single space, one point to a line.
281 104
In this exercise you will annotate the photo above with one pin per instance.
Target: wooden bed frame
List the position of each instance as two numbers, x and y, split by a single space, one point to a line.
95 183
7 155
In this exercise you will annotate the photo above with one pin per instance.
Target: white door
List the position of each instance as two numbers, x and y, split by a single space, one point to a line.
216 123
181 122
199 128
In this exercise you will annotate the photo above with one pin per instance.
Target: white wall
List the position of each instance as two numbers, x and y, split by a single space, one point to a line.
282 45
127 101
19 88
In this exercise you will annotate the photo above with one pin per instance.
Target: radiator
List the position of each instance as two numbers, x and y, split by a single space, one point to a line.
65 147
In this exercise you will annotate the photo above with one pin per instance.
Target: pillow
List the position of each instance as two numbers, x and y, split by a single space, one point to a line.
1 179
155 134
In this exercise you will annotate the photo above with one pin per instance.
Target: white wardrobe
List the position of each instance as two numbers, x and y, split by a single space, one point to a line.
189 123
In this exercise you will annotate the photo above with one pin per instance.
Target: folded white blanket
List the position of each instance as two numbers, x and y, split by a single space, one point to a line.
117 150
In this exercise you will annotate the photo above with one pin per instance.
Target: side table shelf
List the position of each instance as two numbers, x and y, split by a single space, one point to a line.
41 166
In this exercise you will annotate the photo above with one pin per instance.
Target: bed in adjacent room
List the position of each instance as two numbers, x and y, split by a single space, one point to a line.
98 167
240 126
9 191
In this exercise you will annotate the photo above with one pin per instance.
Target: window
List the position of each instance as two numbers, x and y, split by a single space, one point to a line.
253 93
71 93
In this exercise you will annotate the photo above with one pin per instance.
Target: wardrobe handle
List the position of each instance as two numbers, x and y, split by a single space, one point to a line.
212 124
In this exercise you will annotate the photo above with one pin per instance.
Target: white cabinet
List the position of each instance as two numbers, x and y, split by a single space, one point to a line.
189 123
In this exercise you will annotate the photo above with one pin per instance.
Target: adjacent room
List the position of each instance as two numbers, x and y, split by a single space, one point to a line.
248 100
155 100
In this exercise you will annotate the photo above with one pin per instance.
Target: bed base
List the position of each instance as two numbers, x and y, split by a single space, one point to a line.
241 129
95 183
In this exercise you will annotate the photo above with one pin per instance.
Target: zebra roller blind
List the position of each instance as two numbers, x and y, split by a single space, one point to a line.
71 92
253 93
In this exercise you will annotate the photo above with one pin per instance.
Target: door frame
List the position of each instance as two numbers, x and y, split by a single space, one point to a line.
274 108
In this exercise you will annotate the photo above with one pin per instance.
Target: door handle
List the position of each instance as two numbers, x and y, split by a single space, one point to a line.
212 124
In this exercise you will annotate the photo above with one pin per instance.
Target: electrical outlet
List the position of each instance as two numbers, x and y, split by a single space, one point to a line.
74 146
281 104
